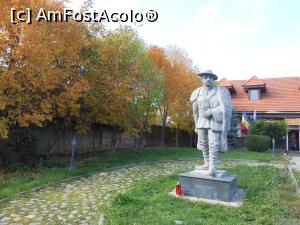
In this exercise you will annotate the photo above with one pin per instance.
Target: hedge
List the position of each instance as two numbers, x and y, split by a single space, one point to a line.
257 143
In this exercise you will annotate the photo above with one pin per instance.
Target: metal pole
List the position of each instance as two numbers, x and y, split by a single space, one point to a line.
299 138
74 141
273 149
287 141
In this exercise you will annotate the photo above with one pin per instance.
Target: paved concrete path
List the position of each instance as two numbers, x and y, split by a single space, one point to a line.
295 162
294 167
78 201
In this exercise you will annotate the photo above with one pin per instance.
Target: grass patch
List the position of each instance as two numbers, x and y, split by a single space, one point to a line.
270 200
297 176
13 183
250 155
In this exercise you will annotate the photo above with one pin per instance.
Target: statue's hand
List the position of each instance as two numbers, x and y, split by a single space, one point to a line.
207 113
201 114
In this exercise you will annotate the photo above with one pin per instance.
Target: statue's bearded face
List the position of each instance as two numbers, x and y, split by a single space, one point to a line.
207 81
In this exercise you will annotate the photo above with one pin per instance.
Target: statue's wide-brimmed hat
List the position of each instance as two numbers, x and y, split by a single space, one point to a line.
208 73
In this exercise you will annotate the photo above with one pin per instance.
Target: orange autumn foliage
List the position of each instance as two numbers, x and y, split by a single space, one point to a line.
40 73
69 71
180 81
183 82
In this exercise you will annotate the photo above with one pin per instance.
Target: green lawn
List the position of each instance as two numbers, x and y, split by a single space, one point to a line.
13 183
297 176
270 199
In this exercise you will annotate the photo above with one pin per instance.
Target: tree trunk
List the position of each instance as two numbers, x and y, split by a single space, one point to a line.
142 139
176 137
115 139
164 116
100 137
162 136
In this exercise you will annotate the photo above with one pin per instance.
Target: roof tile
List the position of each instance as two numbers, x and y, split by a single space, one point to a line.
282 95
225 83
253 81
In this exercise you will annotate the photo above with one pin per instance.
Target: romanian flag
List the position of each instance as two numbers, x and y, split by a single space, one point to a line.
245 123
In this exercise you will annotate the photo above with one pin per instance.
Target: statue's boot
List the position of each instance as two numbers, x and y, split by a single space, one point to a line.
212 164
205 166
213 161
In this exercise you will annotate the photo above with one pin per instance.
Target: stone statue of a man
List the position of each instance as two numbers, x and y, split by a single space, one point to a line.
212 110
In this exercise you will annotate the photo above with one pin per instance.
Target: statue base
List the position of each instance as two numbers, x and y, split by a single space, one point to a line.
221 187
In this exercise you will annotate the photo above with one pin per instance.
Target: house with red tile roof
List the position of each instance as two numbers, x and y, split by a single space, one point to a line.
271 98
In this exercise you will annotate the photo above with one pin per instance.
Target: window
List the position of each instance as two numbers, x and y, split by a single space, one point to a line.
254 94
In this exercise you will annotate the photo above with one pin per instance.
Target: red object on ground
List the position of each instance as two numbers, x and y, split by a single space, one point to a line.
178 189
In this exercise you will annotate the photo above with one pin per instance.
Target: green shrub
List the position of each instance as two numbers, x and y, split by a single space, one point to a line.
271 128
23 142
258 143
18 166
53 163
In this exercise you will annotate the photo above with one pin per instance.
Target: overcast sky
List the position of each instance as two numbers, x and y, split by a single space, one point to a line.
235 38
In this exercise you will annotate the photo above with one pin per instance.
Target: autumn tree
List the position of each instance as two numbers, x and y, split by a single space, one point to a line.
40 70
83 74
148 92
184 81
179 82
160 60
115 62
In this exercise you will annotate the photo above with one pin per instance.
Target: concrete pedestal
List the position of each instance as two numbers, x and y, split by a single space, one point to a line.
222 187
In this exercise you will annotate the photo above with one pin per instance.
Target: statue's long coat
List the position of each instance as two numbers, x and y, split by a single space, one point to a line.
219 101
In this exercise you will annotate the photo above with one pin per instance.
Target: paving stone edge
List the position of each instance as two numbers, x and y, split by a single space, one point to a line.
38 188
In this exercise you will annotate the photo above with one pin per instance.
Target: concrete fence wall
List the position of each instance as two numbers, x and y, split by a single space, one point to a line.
57 140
